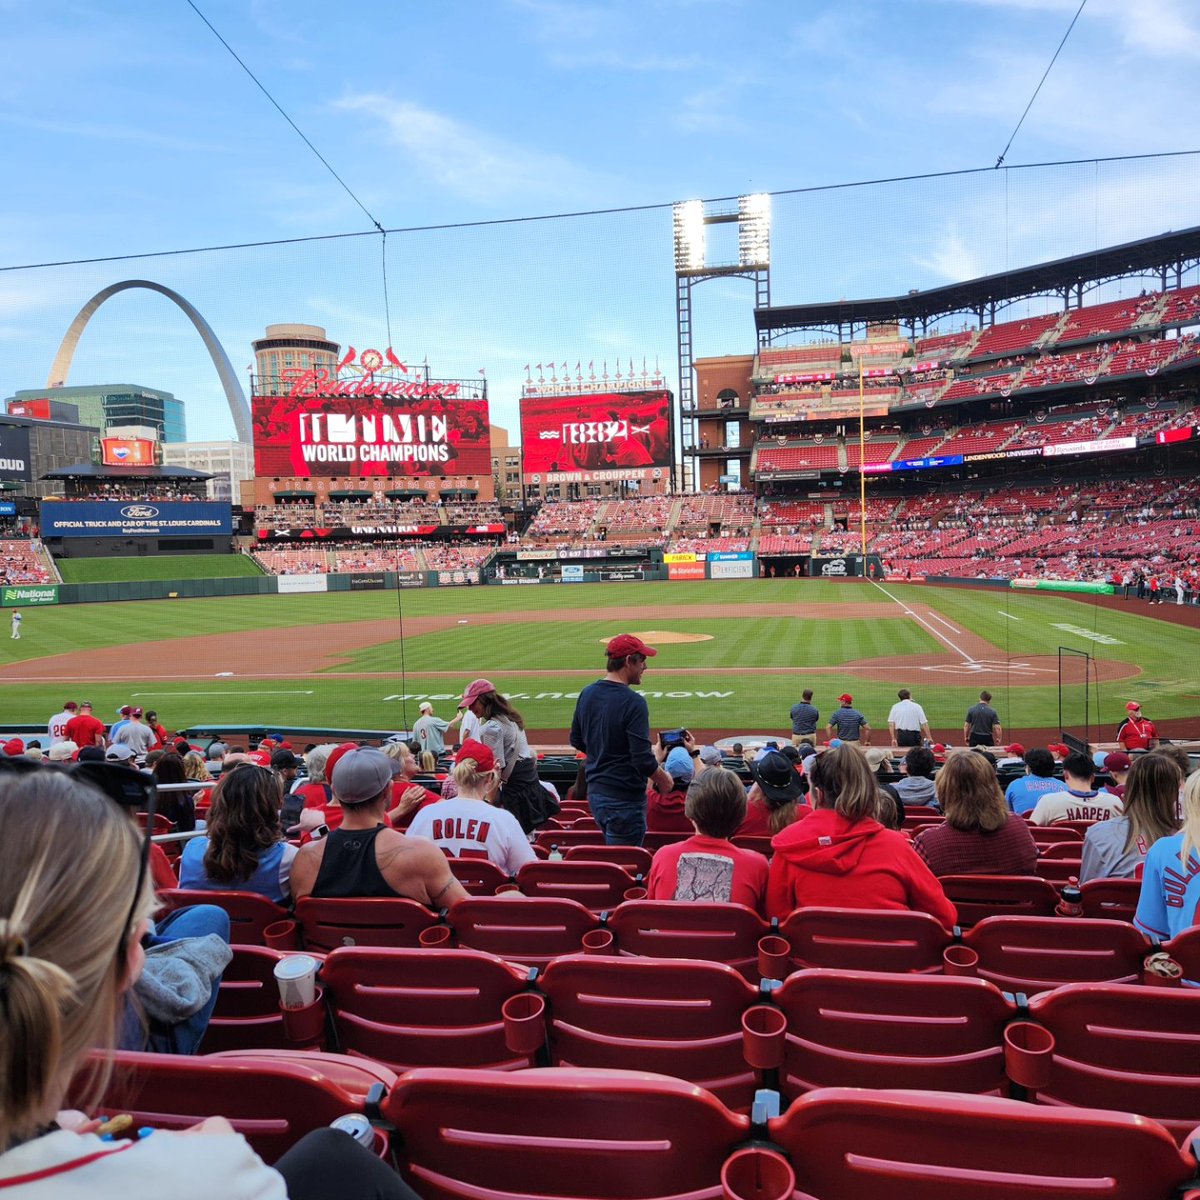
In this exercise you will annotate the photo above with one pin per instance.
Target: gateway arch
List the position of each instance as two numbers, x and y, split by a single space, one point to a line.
61 367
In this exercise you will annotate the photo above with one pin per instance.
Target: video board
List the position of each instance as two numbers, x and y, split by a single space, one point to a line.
575 437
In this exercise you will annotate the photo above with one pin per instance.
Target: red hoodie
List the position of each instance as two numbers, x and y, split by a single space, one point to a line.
664 811
827 860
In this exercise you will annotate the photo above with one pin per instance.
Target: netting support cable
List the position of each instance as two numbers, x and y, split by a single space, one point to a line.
279 109
1045 74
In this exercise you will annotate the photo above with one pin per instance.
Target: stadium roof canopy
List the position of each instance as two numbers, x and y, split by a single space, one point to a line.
1079 273
95 471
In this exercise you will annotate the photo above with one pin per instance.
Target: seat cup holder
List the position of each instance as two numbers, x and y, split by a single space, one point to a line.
959 960
764 1032
757 1174
524 1017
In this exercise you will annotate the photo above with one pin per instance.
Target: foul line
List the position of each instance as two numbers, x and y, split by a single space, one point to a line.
941 637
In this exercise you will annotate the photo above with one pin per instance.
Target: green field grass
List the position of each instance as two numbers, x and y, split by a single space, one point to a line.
167 566
544 663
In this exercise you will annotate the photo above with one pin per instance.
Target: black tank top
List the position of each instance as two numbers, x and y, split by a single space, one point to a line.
348 866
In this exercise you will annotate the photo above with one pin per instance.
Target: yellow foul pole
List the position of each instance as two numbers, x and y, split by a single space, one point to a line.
862 458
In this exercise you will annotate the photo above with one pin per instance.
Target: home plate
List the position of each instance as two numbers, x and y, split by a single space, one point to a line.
462 622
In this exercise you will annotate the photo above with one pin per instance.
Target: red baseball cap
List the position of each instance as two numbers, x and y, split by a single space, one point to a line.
1016 749
336 753
475 689
1059 748
70 704
1118 760
485 760
1132 706
846 698
628 643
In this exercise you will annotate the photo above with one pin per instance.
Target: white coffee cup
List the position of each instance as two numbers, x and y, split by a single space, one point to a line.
296 976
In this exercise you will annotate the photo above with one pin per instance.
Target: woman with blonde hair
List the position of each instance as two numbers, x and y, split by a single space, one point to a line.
980 835
1169 901
75 902
842 856
1116 849
469 825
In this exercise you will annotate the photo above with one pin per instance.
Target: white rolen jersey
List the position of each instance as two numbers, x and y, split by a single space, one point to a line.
475 829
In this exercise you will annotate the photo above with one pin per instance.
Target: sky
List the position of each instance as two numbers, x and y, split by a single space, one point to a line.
128 129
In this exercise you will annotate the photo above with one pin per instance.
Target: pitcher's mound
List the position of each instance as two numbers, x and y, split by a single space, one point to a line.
663 637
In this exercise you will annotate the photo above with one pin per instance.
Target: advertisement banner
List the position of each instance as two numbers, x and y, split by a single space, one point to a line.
595 432
410 579
18 595
357 436
457 578
742 568
293 584
572 573
679 556
14 453
129 452
617 574
8 508
368 583
1093 587
685 570
730 556
117 518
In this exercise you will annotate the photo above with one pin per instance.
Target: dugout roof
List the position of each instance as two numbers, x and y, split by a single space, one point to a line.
1063 275
95 471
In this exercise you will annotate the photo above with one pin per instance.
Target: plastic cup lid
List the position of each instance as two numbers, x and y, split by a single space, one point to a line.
295 966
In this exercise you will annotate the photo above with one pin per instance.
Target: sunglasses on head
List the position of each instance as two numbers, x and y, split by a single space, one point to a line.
132 790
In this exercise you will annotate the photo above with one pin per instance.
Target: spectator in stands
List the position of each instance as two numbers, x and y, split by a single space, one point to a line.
178 807
848 723
982 724
70 897
916 786
194 768
665 810
1078 800
1117 764
364 857
1023 793
160 733
709 866
611 725
502 730
980 836
242 849
805 716
1170 898
841 855
776 798
84 729
429 731
470 826
1117 848
408 798
907 722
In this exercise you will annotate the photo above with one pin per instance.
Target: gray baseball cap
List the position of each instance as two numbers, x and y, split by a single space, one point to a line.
361 775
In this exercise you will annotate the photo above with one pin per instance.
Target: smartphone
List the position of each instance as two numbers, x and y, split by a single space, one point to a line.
672 737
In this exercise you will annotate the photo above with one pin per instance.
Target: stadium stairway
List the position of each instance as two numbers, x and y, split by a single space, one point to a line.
843 457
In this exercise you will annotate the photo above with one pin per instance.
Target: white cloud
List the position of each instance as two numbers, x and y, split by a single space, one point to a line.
470 162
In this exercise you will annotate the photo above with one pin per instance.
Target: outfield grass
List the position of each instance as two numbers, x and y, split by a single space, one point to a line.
155 566
738 694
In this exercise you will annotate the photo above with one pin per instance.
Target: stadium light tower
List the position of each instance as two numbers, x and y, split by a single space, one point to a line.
690 221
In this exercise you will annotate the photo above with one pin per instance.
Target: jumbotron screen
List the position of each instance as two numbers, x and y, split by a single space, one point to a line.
370 436
603 431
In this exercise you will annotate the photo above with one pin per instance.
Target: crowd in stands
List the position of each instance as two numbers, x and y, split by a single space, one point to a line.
151 491
356 558
21 561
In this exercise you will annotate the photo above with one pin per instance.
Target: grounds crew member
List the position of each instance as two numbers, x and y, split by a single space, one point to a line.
848 723
907 722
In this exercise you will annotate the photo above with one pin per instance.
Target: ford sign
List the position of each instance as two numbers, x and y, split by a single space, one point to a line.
139 512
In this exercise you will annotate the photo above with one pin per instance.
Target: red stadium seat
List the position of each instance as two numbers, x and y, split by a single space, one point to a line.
980 896
635 859
562 838
865 940
522 929
249 913
1184 948
1059 870
656 841
600 886
868 1029
162 823
328 924
759 843
850 1144
1034 954
1114 898
479 876
1050 835
724 933
422 1008
677 1017
273 1103
1057 850
357 1076
1129 1049
919 818
590 1135
247 1016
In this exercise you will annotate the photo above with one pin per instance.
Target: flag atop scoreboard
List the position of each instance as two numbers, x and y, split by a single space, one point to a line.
596 435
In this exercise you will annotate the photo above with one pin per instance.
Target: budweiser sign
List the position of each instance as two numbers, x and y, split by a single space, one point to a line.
375 374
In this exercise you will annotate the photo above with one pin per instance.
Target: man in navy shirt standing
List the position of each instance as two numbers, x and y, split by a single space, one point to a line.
848 723
612 727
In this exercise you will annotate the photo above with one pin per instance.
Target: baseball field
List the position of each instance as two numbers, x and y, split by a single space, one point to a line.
733 655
